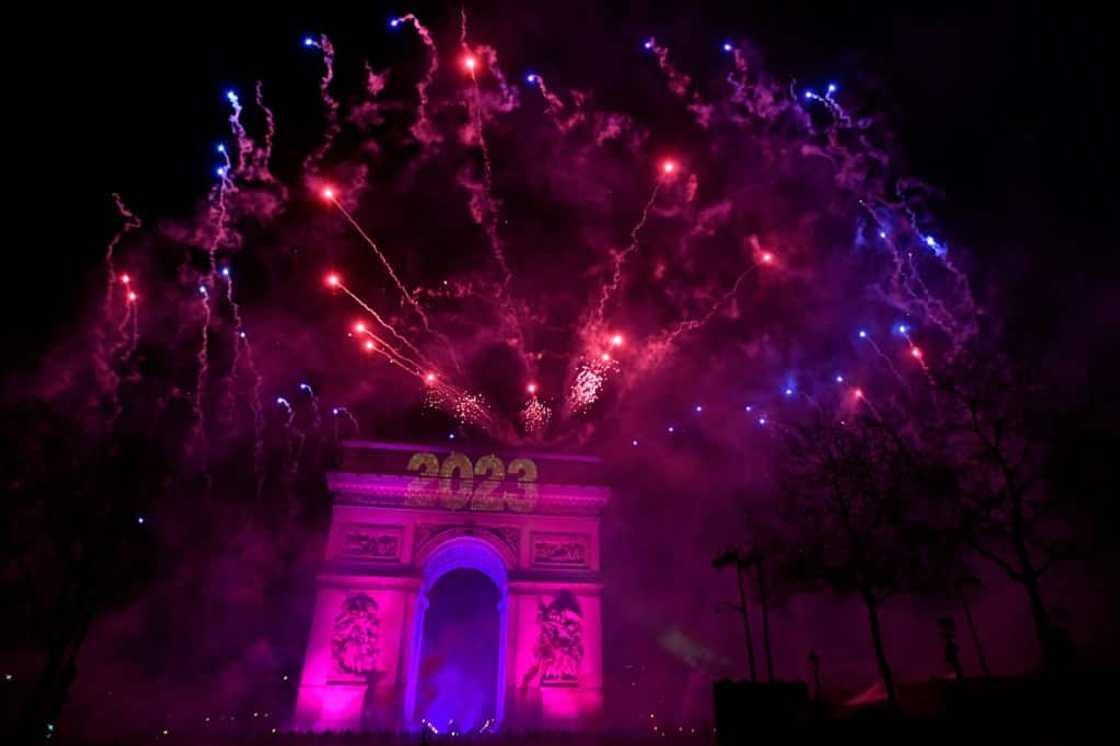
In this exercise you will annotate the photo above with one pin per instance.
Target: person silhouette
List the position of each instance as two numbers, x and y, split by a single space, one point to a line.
952 651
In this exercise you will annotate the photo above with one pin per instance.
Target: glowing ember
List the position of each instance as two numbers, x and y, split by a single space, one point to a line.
535 416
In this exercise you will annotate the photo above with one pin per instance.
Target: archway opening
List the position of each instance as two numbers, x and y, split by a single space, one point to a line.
458 675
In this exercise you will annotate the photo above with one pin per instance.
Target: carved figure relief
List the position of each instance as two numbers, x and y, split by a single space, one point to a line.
371 542
566 550
559 648
354 640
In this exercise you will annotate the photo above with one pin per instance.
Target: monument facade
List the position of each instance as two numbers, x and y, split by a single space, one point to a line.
406 515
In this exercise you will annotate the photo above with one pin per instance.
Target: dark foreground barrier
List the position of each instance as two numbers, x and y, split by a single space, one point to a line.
742 708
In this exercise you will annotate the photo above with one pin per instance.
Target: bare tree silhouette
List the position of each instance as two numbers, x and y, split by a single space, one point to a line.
860 510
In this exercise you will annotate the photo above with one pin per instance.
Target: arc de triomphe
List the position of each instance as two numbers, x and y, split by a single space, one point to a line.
404 516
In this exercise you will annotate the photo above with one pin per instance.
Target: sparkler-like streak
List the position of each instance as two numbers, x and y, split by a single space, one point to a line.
657 349
410 297
466 407
678 81
248 164
108 379
916 284
380 346
908 290
312 162
344 412
203 360
316 419
219 213
294 452
240 340
488 216
128 330
422 128
760 99
866 337
830 103
262 156
535 414
256 406
555 105
484 206
861 398
335 282
590 379
619 257
128 334
245 147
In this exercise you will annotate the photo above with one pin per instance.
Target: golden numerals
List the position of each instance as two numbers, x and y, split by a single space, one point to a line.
526 471
421 490
486 497
456 481
452 483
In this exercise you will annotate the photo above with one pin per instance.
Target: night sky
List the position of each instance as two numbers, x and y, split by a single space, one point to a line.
740 297
999 105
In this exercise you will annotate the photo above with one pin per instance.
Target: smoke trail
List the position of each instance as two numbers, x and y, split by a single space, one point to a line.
130 325
128 333
656 350
422 128
679 83
262 156
257 408
487 216
619 258
312 162
555 105
484 206
107 378
367 114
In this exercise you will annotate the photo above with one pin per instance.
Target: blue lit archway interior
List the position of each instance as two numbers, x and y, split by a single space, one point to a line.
461 553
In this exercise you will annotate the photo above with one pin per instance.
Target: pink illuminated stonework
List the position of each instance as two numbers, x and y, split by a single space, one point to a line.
406 515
